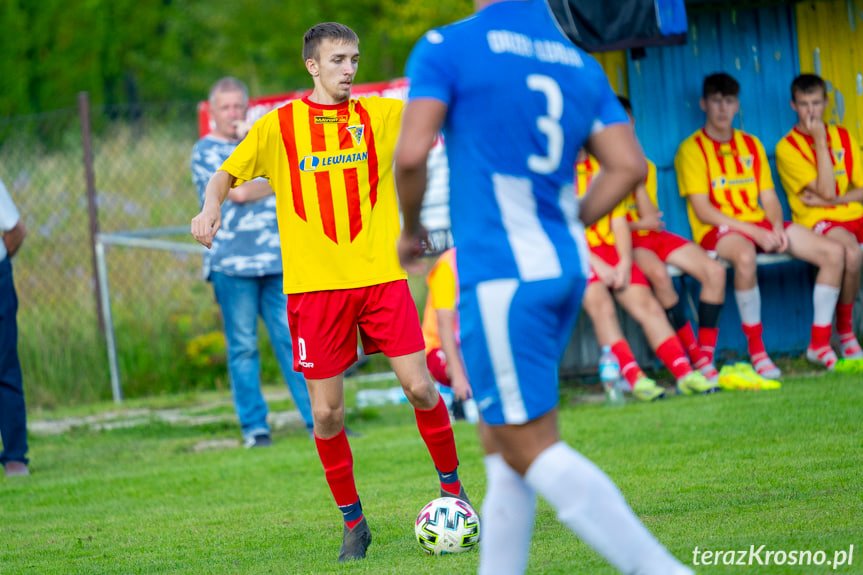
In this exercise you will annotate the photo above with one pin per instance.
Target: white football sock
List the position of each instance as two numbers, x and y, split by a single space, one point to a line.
589 503
749 305
824 300
507 520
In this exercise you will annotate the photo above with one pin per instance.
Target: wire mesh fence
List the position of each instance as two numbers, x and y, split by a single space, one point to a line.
165 319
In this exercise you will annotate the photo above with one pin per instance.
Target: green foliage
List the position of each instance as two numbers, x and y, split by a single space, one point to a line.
719 472
158 50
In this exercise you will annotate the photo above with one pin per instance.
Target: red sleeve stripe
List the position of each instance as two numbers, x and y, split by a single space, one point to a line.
286 125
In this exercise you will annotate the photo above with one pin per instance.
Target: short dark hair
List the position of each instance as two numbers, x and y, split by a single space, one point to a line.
806 83
720 83
326 31
627 105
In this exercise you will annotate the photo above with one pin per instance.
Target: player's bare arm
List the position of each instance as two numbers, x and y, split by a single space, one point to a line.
207 223
711 216
825 184
421 123
446 319
773 210
606 273
623 246
13 238
250 192
649 216
623 167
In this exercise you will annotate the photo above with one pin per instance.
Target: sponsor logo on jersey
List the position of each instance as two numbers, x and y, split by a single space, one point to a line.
356 132
309 163
312 162
723 182
340 119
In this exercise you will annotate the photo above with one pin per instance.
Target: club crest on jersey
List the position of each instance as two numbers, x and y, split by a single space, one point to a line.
309 163
838 155
747 161
356 132
341 119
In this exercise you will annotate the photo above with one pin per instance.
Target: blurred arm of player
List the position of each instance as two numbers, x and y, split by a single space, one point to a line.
711 216
623 167
421 122
454 365
207 223
773 210
607 274
13 238
649 216
824 185
623 246
813 200
250 191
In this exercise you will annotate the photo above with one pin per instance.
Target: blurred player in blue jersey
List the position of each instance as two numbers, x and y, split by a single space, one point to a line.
516 100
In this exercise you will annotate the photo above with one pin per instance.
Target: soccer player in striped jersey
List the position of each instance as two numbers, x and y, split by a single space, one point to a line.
733 209
613 273
329 159
820 169
652 247
516 101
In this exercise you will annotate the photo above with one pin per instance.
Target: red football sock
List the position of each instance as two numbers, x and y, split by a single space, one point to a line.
755 342
707 337
335 455
687 337
436 430
672 355
821 336
628 366
844 316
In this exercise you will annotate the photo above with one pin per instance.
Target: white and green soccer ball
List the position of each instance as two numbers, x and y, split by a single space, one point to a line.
447 525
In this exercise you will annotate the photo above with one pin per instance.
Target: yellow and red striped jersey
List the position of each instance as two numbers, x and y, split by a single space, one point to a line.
650 186
331 169
600 232
732 173
442 281
797 166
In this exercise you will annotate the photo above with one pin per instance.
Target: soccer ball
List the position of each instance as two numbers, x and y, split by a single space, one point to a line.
447 525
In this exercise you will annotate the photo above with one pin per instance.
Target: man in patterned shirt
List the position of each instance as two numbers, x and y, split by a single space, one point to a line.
733 209
245 267
820 169
329 158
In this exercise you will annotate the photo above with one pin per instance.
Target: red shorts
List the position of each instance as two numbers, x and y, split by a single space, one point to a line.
436 362
608 254
711 238
853 226
324 326
661 243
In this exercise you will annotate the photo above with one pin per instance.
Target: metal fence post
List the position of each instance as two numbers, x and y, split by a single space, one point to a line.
90 179
105 307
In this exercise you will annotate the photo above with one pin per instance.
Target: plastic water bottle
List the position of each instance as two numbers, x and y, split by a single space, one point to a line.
609 375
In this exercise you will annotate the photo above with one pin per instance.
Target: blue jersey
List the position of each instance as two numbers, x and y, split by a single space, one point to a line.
521 101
